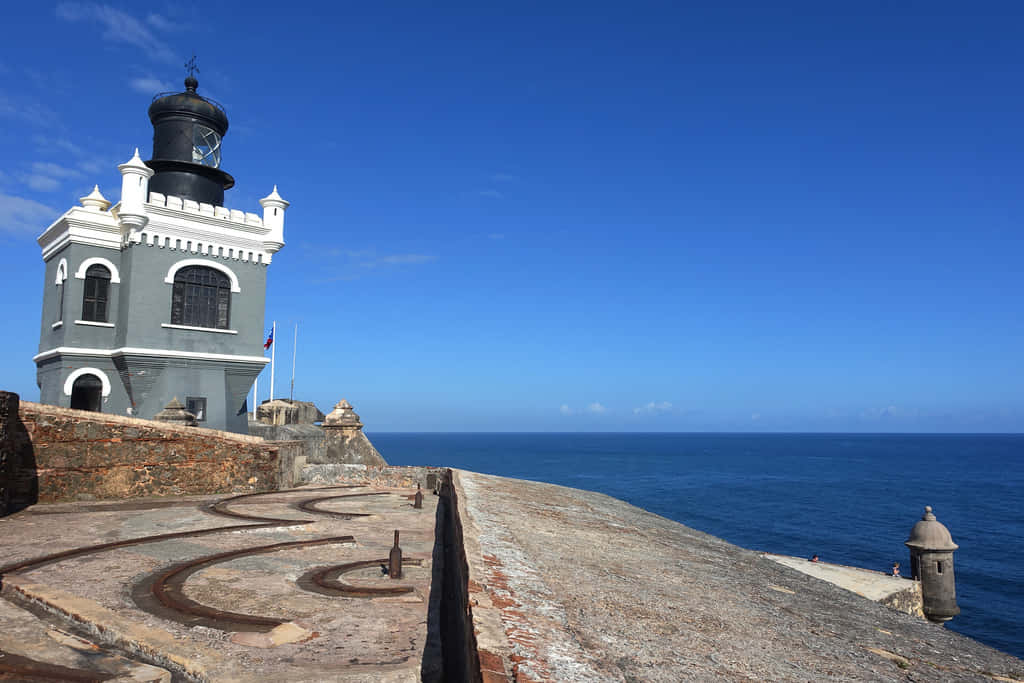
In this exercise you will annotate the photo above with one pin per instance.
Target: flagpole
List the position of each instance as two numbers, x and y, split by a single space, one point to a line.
273 353
255 394
295 344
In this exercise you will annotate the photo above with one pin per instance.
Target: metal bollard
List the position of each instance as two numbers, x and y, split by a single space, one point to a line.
395 560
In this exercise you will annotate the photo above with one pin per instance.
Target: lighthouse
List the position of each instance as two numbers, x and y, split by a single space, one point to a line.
162 294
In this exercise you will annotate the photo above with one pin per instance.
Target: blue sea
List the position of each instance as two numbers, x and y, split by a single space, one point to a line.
850 498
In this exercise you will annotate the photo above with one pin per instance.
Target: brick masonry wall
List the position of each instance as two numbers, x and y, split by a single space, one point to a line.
79 455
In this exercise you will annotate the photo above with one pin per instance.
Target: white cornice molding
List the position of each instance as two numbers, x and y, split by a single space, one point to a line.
138 351
81 226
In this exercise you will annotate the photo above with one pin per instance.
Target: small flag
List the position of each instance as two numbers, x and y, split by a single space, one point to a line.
270 340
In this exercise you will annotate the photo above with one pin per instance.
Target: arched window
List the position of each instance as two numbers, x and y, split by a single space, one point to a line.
201 298
96 299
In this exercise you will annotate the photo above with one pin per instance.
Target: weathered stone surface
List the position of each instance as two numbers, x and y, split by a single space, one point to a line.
571 585
346 442
283 411
79 455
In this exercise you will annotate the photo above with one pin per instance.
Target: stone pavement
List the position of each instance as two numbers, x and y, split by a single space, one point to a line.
570 585
233 594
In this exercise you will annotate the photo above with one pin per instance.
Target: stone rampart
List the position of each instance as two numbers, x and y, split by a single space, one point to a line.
79 455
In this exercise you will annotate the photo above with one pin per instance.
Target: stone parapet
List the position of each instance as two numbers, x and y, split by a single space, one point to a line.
79 455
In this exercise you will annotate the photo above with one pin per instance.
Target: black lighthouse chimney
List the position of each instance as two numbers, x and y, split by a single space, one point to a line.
187 132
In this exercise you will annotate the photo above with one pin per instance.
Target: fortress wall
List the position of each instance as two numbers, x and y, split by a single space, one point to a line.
79 455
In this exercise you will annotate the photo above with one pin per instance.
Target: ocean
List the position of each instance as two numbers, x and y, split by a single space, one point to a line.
850 498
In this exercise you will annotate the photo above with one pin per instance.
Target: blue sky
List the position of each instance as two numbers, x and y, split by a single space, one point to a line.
576 216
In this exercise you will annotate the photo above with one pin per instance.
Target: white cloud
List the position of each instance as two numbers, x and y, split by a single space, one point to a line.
565 410
149 85
504 177
40 183
653 408
398 259
496 236
120 27
754 417
20 215
491 194
596 408
45 142
55 170
160 22
28 110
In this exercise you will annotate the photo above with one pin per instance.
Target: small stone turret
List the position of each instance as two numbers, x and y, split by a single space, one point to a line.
346 442
931 563
175 413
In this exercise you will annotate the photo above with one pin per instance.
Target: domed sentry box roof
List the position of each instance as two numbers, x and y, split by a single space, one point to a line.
187 133
930 534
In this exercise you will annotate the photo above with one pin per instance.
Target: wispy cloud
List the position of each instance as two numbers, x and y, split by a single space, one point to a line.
351 264
120 27
594 408
504 177
491 194
46 177
20 215
161 23
55 170
48 142
26 109
496 236
149 85
654 408
40 183
398 259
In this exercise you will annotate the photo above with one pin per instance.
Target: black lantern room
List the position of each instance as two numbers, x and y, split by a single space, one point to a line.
187 133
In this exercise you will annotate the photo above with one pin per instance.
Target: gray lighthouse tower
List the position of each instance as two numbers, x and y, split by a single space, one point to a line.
162 294
931 562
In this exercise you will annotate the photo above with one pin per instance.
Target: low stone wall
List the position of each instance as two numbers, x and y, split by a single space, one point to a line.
79 455
387 476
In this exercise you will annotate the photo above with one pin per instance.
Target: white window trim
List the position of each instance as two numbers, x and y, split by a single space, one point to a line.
197 329
57 324
185 263
69 383
115 276
62 272
93 323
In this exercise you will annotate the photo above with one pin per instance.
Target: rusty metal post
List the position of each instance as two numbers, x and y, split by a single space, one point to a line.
395 560
418 501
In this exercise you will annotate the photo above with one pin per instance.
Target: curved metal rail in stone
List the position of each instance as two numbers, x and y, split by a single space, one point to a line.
325 581
168 588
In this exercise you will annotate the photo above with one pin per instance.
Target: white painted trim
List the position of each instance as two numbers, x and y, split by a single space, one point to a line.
57 324
133 350
115 277
197 329
93 323
62 272
184 263
69 383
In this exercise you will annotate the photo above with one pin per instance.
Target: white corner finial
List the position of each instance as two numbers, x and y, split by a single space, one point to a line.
135 165
95 201
274 200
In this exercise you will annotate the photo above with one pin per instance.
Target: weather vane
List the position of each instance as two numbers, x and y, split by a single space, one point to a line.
191 66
